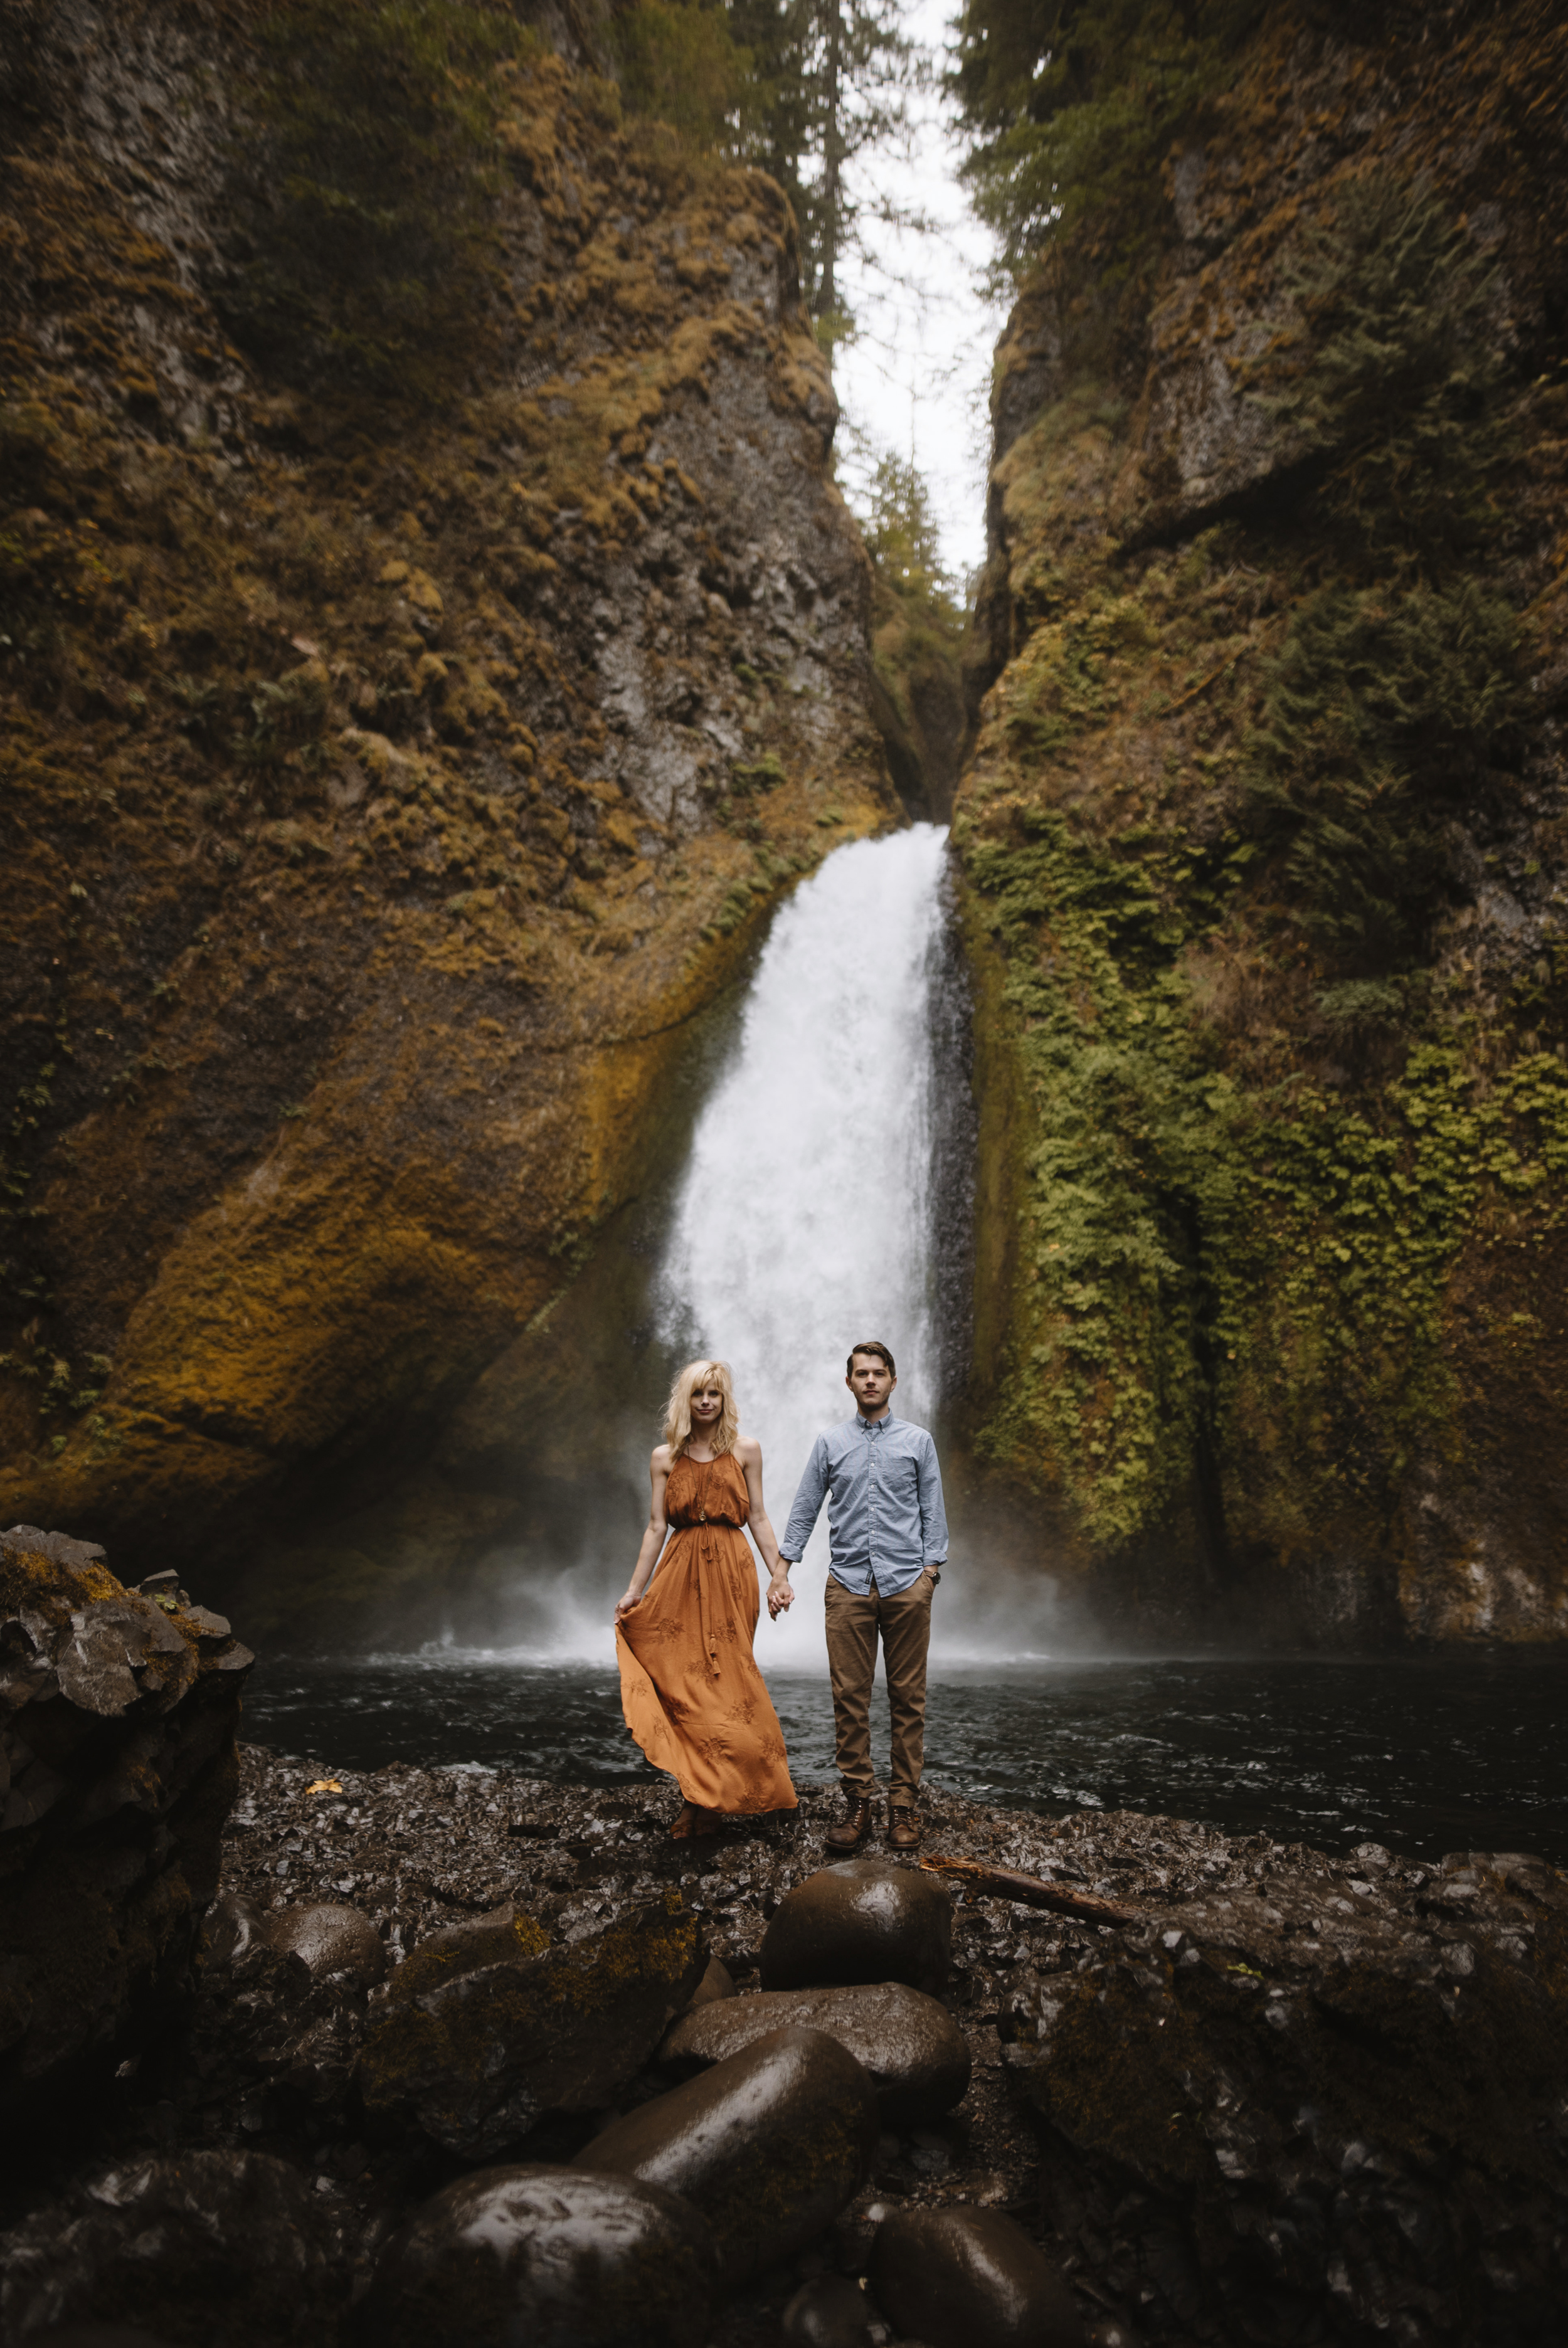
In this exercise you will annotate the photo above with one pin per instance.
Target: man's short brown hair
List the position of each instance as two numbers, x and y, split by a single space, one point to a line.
872 1345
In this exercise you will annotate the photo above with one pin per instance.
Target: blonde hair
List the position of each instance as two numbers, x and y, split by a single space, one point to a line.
677 1416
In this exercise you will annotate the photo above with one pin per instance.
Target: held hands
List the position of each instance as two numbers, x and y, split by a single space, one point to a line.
780 1597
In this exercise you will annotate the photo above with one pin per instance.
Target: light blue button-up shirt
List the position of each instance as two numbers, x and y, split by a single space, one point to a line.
886 1521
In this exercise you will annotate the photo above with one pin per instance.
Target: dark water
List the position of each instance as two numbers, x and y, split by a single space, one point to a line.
1427 1755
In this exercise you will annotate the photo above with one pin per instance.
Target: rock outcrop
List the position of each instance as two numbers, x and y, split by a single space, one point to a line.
118 1715
389 788
1263 843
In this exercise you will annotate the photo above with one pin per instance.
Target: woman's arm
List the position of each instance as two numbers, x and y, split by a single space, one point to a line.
654 1538
780 1597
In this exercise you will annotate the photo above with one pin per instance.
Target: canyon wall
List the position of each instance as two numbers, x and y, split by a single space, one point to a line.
396 768
1265 857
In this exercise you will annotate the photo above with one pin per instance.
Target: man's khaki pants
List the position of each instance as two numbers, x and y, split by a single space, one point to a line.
903 1624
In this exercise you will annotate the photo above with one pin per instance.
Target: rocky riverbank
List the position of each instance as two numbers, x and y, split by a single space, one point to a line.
1293 2100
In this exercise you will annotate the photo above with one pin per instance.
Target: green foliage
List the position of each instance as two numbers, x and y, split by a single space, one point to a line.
1072 105
1378 708
1388 699
1400 382
678 61
370 225
1190 1255
902 538
918 636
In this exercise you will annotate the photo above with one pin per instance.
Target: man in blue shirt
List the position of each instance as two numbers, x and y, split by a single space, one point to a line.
887 1536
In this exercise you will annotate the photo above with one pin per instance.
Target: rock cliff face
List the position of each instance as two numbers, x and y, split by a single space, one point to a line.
390 785
118 1712
1264 853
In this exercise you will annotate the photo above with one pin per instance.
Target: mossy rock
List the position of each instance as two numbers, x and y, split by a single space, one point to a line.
489 2031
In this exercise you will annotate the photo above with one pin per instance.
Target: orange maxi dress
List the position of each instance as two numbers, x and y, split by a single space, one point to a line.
692 1693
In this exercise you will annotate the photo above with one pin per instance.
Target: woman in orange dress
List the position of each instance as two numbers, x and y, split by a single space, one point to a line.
693 1696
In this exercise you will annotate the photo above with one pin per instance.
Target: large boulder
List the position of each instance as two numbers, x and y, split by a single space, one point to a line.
551 2256
118 1767
212 2250
861 1920
909 2046
486 2029
962 2278
769 2145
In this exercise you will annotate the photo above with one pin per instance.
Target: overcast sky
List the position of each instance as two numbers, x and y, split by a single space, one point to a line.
917 377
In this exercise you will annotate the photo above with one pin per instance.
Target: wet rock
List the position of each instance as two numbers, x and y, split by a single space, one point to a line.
281 2004
117 1771
483 2034
714 1984
861 1920
769 2144
215 2250
1299 2090
910 2047
506 1936
829 2311
963 2278
98 2335
233 1927
330 1937
550 2255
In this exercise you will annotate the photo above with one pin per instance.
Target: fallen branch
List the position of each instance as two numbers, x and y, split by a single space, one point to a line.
1003 1883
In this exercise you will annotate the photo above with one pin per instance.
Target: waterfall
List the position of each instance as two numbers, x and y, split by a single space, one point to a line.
810 1211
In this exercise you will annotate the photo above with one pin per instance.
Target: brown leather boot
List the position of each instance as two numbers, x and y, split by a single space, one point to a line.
902 1827
852 1829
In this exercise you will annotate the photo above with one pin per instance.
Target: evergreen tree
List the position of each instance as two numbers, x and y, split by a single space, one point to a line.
831 84
1072 105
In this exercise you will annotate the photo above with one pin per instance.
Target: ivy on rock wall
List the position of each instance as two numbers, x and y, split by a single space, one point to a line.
1263 839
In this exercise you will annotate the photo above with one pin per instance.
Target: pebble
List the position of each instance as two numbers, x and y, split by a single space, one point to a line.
914 2052
481 2038
970 2278
861 1920
769 2144
330 1937
555 2257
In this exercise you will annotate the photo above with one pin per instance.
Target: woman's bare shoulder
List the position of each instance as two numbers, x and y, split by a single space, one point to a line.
748 1451
660 1459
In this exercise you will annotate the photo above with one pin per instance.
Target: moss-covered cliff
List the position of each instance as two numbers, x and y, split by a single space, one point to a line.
412 706
1264 841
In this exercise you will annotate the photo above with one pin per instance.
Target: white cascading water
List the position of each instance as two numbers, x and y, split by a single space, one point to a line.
807 1218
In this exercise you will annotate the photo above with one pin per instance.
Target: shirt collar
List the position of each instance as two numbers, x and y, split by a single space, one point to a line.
873 1425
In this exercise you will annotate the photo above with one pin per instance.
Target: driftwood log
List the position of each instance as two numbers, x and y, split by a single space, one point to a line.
1029 1890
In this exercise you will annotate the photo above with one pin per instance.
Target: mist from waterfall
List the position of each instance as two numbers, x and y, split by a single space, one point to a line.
807 1216
826 1199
